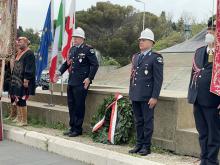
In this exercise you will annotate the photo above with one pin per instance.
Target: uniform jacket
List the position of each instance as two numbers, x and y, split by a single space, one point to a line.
199 87
82 64
146 77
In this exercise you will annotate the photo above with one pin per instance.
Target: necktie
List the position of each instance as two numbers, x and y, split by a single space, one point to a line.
141 56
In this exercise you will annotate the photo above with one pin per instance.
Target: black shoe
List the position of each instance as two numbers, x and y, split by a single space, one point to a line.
74 134
144 151
67 133
134 150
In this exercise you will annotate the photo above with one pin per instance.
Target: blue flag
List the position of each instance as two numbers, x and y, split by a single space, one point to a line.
45 42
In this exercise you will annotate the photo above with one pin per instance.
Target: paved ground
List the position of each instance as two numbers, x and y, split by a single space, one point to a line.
12 153
157 155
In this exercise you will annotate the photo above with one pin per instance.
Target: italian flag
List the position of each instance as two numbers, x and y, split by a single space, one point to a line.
57 42
70 25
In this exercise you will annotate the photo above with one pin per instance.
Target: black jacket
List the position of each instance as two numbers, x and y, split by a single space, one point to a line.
146 77
199 89
82 64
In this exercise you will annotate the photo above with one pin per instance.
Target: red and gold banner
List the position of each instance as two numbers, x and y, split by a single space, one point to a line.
215 84
8 30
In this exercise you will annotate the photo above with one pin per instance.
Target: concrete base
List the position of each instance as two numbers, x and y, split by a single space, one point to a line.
169 122
187 142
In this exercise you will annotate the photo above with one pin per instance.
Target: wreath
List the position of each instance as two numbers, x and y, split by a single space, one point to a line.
124 121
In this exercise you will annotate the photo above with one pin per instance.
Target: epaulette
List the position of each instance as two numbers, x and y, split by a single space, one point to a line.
132 57
157 53
89 46
135 54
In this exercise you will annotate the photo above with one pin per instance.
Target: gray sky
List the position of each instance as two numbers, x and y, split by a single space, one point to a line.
32 13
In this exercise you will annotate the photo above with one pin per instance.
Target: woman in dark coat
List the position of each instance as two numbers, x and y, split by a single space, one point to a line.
23 78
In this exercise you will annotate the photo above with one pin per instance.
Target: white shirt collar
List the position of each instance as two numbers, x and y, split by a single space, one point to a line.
210 49
145 52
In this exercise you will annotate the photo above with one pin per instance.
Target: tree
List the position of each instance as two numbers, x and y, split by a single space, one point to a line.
31 35
180 25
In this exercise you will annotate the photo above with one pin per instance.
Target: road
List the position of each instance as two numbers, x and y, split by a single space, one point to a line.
12 153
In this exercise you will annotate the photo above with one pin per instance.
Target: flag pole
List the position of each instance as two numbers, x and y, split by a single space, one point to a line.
50 102
61 92
64 23
2 61
213 12
52 18
57 45
51 96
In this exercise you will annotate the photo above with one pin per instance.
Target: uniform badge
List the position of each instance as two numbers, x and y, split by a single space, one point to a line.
81 56
92 51
160 60
146 72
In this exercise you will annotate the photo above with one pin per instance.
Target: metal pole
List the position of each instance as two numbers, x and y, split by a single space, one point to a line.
61 85
1 122
1 90
144 16
50 103
143 12
51 98
213 12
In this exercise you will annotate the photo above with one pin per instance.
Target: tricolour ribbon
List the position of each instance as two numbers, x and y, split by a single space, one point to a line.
113 119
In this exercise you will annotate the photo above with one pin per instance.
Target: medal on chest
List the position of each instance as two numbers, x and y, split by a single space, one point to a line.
210 57
81 56
146 72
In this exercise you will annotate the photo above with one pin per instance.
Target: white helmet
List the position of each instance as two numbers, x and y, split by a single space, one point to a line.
79 32
147 34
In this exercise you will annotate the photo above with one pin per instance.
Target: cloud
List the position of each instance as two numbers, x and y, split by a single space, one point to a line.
32 13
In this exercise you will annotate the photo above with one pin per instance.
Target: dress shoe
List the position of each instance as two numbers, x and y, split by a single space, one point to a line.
67 133
74 134
144 151
135 150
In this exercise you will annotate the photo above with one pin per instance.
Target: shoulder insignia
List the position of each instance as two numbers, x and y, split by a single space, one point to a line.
88 45
160 60
92 51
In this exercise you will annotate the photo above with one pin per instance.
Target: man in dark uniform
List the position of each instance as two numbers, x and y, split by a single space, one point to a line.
145 85
82 64
205 103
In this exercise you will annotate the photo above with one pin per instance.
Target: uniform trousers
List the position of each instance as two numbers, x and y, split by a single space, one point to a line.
144 123
76 96
207 121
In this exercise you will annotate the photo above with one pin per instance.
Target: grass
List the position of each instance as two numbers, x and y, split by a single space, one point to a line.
36 123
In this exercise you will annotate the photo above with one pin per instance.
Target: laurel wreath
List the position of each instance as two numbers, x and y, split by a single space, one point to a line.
124 127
